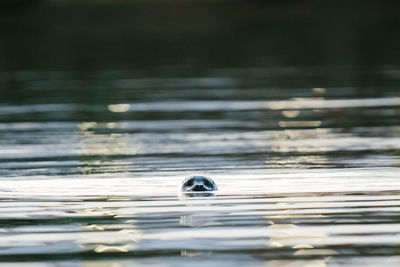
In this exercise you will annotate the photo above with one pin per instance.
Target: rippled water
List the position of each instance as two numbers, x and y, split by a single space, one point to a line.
307 176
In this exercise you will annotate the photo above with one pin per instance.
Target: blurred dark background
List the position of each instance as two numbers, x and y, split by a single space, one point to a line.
197 34
303 43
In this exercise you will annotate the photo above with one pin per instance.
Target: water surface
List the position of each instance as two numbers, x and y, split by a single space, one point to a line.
307 176
292 107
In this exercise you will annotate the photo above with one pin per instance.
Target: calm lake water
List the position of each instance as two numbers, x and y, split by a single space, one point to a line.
99 125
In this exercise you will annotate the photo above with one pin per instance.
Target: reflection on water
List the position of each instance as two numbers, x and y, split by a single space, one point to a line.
97 135
303 181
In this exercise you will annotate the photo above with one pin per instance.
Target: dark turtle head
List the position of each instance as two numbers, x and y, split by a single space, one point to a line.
198 184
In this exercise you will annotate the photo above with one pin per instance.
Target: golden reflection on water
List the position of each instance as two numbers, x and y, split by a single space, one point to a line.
283 235
93 227
319 91
290 235
113 249
104 144
291 162
119 107
300 140
291 113
295 113
269 227
124 237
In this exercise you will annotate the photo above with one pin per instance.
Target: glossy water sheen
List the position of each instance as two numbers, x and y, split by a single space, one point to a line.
306 176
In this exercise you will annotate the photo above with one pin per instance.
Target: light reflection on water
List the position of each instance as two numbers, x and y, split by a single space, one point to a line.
311 179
